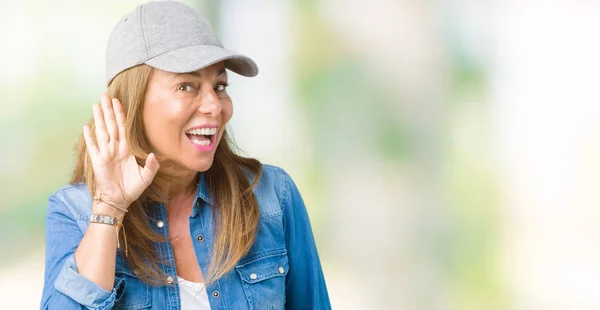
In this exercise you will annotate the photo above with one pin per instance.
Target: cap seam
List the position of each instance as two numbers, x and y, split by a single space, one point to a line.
142 22
148 59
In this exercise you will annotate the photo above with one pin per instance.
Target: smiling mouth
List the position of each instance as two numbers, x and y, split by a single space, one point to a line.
202 136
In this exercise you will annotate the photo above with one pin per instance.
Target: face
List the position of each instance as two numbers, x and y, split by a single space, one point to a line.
185 114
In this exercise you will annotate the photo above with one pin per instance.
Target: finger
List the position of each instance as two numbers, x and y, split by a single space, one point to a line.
150 169
101 134
120 116
91 147
109 118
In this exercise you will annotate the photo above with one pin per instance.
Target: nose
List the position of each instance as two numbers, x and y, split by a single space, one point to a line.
210 103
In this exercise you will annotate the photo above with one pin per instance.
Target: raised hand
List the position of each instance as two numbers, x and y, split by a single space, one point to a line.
117 175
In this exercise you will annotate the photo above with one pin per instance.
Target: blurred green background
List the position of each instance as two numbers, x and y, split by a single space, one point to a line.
446 150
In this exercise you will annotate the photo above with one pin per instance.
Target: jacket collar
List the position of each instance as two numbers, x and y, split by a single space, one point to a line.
202 191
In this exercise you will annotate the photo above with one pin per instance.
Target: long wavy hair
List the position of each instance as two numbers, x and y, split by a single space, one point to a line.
235 206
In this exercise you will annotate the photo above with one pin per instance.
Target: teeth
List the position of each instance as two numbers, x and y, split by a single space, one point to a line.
203 142
202 131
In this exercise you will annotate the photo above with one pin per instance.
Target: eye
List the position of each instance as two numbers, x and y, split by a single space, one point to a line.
185 87
221 87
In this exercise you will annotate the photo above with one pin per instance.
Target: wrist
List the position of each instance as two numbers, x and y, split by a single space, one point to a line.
120 207
99 207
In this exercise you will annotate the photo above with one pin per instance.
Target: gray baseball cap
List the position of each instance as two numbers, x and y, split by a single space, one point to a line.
170 36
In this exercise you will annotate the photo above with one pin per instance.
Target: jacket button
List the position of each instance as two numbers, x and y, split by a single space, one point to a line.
253 276
160 224
281 270
215 294
170 280
200 238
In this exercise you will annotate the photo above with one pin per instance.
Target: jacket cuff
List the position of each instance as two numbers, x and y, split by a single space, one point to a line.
84 291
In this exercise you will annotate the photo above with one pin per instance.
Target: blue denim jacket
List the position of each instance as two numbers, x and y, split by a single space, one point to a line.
283 261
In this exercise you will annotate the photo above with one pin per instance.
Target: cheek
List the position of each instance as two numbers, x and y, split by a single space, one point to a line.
162 121
227 111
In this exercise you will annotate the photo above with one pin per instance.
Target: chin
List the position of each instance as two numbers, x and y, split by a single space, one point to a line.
200 165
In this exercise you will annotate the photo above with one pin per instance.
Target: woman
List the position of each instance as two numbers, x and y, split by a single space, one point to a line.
160 212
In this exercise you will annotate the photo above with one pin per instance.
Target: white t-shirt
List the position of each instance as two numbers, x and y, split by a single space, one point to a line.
193 295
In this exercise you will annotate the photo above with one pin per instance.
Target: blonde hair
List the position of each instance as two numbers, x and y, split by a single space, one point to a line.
232 198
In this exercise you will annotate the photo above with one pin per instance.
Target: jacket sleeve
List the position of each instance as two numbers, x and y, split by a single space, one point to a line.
64 287
305 283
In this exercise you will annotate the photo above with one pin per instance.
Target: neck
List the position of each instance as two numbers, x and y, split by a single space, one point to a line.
188 185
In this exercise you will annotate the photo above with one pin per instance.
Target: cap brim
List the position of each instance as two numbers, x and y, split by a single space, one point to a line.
195 57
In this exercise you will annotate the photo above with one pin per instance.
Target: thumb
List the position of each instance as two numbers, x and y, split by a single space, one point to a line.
150 168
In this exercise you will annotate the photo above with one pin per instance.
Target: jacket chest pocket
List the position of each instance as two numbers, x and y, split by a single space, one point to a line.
136 294
263 280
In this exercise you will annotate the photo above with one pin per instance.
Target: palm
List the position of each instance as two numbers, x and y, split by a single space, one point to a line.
117 175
